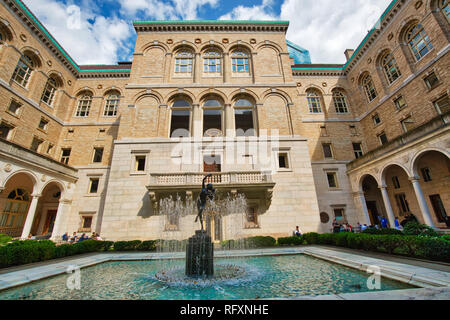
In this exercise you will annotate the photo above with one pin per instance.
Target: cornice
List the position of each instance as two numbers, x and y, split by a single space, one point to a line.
211 26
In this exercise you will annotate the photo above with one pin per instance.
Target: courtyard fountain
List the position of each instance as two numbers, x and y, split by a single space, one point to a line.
199 249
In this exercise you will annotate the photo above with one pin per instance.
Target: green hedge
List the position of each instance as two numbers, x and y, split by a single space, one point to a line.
291 241
382 231
30 251
249 243
4 239
423 247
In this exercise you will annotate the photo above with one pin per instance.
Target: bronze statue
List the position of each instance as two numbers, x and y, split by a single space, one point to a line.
207 192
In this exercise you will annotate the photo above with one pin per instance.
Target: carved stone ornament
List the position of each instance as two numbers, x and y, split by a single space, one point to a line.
7 168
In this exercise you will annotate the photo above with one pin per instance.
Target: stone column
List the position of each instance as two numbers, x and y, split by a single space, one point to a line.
63 208
387 205
422 202
226 68
230 130
362 200
197 121
197 69
167 67
30 216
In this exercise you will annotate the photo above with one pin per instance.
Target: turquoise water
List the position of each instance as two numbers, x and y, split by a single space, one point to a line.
264 277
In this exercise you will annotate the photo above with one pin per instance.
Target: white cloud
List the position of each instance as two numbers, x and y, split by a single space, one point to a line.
325 27
89 38
256 12
163 10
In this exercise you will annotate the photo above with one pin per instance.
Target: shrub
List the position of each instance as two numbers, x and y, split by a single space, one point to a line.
417 229
260 242
24 252
290 241
446 237
170 245
147 246
311 238
4 239
382 231
126 245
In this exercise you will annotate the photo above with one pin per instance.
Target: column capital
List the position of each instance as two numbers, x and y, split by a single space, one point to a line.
382 186
36 195
1 189
414 179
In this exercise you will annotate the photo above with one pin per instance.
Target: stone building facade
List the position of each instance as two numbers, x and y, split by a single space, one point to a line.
96 148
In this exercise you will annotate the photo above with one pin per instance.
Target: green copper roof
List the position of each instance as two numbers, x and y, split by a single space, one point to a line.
371 32
210 21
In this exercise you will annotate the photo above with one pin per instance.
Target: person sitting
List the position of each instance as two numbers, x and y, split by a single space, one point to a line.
65 237
297 232
364 227
336 226
74 238
83 237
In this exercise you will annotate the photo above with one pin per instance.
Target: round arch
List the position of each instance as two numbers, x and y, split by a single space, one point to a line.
57 76
34 54
159 45
58 183
363 177
31 175
313 87
385 168
238 45
211 93
5 26
247 92
112 89
212 46
174 95
269 44
279 93
415 159
85 90
184 45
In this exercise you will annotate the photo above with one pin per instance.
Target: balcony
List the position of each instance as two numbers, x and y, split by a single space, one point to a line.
189 182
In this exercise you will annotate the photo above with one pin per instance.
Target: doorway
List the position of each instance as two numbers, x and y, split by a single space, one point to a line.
49 221
438 208
373 212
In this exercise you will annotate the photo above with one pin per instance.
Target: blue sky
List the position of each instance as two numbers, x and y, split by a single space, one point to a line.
101 32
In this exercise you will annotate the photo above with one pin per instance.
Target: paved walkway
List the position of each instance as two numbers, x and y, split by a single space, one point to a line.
435 265
433 283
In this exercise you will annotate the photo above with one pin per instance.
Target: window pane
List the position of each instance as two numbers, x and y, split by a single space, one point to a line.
179 126
244 122
212 119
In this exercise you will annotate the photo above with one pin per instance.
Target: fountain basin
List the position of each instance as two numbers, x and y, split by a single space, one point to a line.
263 277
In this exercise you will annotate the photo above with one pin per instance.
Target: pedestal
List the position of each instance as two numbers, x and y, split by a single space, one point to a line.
200 255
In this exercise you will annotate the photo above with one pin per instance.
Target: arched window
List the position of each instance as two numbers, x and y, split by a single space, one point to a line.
314 102
243 118
340 102
369 87
418 41
212 117
180 119
445 8
390 67
183 61
23 70
84 105
49 92
240 61
112 105
14 212
212 62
